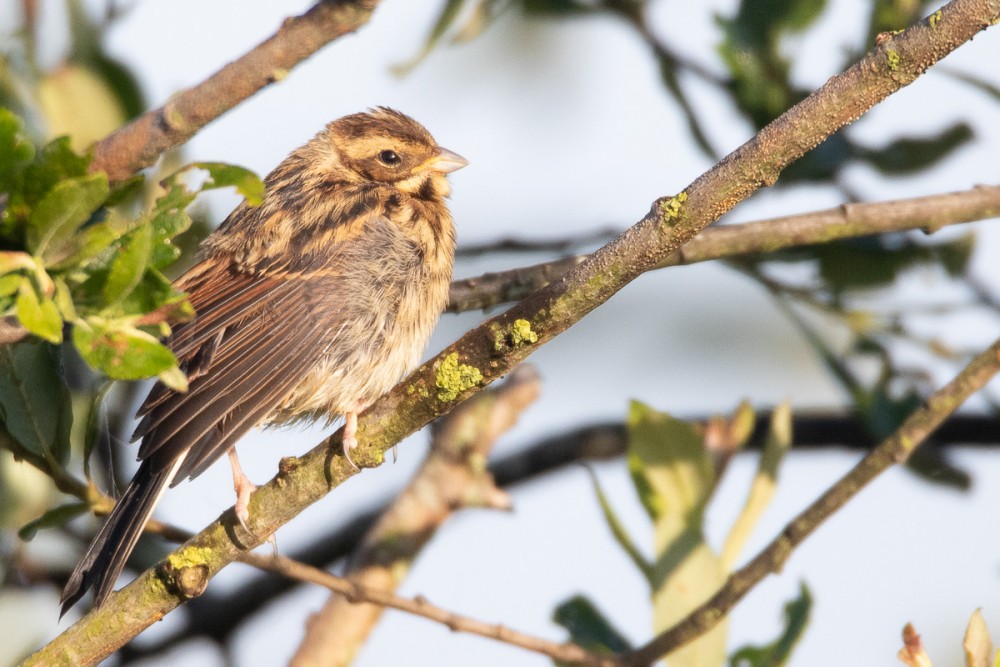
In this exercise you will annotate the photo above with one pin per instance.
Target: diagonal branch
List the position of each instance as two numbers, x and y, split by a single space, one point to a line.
141 142
895 449
492 349
849 220
452 477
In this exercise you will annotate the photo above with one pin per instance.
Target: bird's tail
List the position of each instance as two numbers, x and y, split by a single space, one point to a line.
105 558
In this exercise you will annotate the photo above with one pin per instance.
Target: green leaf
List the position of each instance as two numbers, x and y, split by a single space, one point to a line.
54 518
678 472
221 175
34 401
121 351
913 154
671 456
39 316
166 225
618 530
128 266
588 627
15 149
92 240
777 653
779 439
63 211
56 162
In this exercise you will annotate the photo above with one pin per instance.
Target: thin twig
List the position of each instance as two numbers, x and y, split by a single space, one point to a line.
850 220
356 593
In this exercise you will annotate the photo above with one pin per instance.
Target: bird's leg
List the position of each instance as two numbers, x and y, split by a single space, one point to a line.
350 439
244 487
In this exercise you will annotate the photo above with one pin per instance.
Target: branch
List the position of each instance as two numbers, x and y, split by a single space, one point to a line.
849 220
217 615
141 142
355 593
895 449
451 478
495 347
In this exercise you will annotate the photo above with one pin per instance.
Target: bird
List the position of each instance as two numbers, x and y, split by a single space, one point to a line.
308 306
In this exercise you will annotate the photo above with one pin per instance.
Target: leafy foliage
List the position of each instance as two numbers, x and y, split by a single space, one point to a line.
70 260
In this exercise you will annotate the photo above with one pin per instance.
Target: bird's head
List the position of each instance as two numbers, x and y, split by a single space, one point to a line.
385 146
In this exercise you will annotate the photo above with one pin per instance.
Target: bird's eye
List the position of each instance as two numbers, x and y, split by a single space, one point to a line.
389 158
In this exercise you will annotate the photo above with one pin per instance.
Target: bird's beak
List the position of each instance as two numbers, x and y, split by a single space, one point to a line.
446 161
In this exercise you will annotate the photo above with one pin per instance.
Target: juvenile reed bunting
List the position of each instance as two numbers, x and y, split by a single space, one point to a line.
309 306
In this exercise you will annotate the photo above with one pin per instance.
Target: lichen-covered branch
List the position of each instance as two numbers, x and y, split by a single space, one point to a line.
895 449
141 142
453 476
850 220
492 349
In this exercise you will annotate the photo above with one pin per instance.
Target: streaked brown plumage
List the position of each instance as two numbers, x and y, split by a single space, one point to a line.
309 306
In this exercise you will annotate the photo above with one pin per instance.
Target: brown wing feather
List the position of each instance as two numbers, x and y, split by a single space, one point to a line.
253 339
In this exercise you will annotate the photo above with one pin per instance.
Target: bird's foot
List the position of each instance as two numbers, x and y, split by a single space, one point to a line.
350 439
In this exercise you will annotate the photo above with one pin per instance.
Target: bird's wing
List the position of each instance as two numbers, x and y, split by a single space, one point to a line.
253 339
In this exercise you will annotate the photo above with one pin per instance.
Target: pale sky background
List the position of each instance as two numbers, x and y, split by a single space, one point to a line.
568 130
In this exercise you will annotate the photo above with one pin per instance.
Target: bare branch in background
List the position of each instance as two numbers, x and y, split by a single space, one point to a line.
141 142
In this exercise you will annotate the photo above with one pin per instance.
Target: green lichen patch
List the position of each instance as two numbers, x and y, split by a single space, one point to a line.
892 57
935 19
190 557
518 334
671 209
453 378
420 390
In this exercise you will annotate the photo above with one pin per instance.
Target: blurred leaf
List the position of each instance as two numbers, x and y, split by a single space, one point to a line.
121 351
67 90
128 266
34 400
63 211
670 455
913 154
222 175
449 13
54 163
15 148
890 15
912 653
54 518
977 643
932 464
751 49
588 627
668 459
955 255
39 316
779 439
618 530
558 7
777 653
976 82
481 17
874 262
